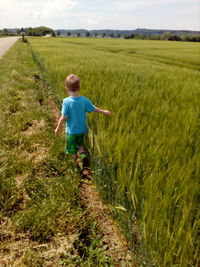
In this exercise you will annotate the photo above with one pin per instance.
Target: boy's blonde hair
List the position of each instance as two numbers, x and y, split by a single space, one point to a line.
72 82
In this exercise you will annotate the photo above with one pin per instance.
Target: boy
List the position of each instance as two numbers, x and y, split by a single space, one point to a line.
74 110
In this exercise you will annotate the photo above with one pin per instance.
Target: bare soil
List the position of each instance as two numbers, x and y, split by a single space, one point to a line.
117 246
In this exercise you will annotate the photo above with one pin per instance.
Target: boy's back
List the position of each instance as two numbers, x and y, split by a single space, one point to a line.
75 108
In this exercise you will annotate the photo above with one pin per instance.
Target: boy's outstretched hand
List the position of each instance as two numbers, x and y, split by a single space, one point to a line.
107 112
103 111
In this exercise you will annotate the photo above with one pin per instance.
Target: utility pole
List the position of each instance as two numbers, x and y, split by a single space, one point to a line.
22 34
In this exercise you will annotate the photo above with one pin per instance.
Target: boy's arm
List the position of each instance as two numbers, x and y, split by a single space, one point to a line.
103 111
62 118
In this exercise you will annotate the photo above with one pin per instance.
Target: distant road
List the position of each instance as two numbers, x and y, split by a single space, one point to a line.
6 43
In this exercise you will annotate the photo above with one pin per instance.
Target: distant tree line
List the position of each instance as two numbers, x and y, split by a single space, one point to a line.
143 34
166 36
147 35
6 32
37 31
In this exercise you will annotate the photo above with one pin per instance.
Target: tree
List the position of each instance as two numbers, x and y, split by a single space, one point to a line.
174 37
167 35
68 33
87 34
18 31
195 38
103 34
126 36
5 32
190 38
142 36
29 31
38 31
78 34
111 35
154 37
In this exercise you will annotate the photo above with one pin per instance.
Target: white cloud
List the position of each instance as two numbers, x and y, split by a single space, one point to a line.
27 13
93 14
94 20
55 8
138 4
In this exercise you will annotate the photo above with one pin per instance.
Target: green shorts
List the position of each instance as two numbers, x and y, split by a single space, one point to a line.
73 142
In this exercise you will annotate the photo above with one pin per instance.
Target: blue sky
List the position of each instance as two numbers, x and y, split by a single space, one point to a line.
101 14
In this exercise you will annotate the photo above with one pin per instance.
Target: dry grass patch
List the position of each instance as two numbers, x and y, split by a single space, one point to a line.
34 126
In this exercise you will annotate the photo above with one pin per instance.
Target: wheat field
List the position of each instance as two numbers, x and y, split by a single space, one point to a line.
146 156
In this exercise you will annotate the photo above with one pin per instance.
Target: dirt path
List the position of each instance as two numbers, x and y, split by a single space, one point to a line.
6 43
117 246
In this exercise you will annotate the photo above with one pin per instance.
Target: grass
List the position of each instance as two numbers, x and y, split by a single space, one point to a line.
42 221
146 156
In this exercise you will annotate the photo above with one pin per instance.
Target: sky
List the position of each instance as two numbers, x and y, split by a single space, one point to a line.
101 14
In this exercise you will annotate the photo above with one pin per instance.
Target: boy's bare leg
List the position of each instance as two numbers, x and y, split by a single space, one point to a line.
81 149
85 159
75 157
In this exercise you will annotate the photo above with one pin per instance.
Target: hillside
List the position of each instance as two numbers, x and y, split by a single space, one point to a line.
125 32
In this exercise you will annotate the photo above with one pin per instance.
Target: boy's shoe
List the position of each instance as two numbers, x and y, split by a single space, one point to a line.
83 155
83 163
85 160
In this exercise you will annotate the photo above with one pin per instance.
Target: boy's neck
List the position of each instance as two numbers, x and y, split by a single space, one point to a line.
74 94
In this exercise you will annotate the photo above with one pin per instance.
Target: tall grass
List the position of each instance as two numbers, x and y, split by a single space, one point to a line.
146 156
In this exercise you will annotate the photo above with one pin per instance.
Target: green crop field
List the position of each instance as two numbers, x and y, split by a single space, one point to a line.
146 156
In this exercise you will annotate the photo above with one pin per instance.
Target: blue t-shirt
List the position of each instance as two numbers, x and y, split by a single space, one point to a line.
75 109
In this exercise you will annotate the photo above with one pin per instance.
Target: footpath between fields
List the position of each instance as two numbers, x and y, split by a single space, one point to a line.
49 216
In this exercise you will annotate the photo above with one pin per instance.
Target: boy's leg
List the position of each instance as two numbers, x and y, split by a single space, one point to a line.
84 157
75 157
80 142
71 148
81 149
